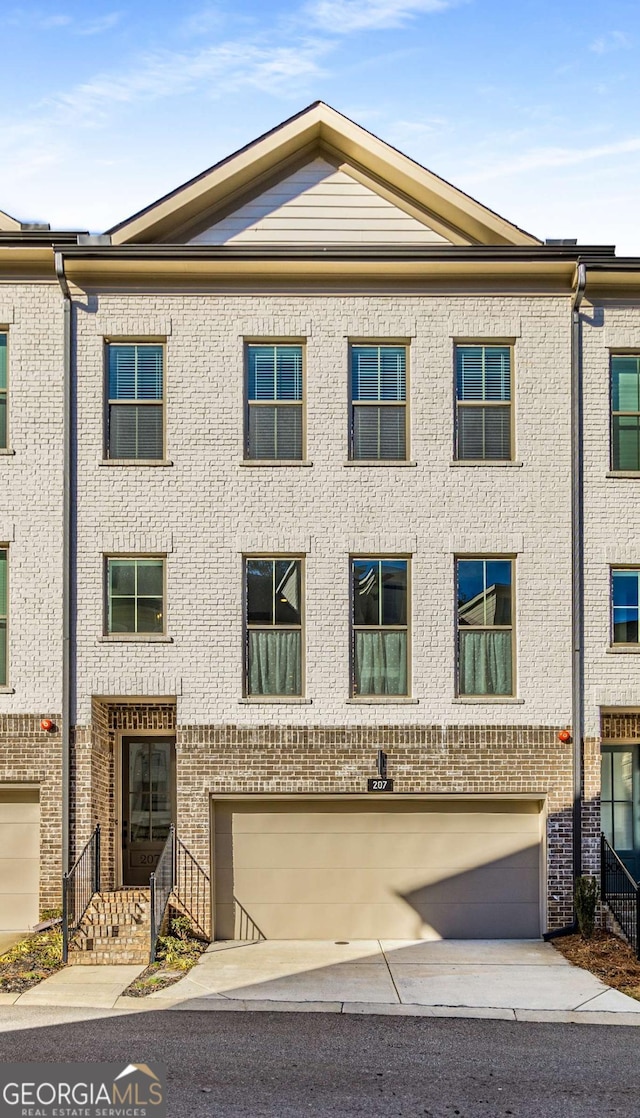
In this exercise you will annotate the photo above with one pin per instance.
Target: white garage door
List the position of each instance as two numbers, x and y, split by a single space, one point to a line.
19 858
403 869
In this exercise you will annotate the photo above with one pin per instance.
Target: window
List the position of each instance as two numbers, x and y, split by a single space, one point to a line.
379 591
3 616
135 595
378 402
483 402
274 626
625 606
3 391
625 412
135 403
274 424
485 626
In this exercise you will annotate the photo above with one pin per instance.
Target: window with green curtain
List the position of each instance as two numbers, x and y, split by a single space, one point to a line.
483 402
274 626
135 388
625 412
485 626
3 391
378 402
4 559
380 627
274 402
135 595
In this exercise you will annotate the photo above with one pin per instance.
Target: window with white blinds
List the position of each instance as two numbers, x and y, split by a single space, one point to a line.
274 398
135 374
378 402
625 412
483 403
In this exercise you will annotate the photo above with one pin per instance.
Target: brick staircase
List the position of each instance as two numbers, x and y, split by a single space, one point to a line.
114 929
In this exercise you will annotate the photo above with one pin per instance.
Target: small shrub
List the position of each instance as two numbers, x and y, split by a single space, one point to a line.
586 899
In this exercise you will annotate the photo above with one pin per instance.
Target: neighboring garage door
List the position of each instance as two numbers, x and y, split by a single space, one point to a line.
390 869
19 858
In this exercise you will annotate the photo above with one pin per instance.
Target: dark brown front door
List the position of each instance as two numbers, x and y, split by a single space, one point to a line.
148 799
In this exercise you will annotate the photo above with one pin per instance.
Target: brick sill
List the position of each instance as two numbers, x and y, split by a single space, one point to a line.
623 474
288 700
7 690
379 462
258 462
5 452
134 638
383 700
135 462
484 462
623 650
495 700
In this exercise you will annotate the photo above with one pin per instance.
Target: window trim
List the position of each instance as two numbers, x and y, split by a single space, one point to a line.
389 343
355 557
613 472
5 686
615 645
274 557
113 340
143 637
484 696
248 404
486 343
6 448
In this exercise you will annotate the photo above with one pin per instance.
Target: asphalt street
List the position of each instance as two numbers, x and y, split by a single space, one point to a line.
246 1065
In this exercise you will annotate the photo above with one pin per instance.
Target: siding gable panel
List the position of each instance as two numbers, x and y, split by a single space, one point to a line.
318 203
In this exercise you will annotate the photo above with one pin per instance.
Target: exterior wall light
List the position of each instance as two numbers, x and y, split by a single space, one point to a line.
46 724
564 736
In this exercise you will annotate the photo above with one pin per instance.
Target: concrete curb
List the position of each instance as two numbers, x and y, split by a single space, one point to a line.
235 1005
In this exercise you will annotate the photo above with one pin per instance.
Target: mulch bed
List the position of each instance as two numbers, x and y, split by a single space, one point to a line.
42 958
606 956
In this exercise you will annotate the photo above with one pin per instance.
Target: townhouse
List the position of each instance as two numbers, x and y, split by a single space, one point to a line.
320 527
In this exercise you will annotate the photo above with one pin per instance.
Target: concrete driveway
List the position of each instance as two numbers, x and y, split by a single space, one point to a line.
514 975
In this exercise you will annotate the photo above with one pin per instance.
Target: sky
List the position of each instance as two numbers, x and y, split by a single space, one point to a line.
531 106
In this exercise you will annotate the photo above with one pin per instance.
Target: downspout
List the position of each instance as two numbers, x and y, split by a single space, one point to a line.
66 557
577 585
577 565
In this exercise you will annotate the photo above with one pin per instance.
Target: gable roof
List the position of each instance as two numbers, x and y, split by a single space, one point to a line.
318 131
8 224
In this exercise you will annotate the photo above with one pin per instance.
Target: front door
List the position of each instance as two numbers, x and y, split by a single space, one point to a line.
620 803
148 798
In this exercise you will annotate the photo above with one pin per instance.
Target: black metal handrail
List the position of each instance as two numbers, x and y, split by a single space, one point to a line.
192 889
161 886
78 887
620 892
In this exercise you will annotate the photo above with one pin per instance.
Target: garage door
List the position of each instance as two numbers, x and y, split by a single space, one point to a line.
19 858
390 869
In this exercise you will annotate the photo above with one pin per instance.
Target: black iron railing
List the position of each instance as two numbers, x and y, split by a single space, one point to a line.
620 892
192 889
161 886
78 887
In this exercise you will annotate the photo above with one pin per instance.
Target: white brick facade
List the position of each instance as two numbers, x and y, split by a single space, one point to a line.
207 509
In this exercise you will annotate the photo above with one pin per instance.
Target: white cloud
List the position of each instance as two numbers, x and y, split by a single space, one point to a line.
212 71
99 25
544 158
34 19
202 22
343 16
613 40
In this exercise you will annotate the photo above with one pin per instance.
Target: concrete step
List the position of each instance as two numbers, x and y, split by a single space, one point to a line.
109 958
